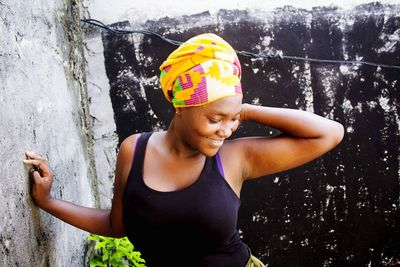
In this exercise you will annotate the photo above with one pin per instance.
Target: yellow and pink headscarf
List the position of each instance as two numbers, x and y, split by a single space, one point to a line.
203 69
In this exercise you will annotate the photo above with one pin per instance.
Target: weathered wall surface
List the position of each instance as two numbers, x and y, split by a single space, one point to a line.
43 109
101 112
339 210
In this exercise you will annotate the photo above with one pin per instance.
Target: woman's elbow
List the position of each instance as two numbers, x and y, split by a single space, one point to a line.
334 135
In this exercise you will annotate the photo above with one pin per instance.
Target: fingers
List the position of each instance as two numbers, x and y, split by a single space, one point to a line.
36 176
35 171
34 162
32 155
40 165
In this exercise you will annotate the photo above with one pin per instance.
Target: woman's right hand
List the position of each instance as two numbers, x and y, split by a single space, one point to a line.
42 178
93 220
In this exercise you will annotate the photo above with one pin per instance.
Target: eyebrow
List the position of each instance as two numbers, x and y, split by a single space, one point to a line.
225 114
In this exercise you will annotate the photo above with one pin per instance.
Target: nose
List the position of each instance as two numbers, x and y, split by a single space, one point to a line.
226 129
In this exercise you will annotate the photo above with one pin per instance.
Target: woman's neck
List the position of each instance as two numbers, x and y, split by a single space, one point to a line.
175 143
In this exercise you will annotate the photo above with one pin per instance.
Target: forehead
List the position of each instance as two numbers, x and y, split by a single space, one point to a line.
225 106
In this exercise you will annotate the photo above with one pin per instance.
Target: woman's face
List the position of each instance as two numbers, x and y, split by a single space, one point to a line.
205 128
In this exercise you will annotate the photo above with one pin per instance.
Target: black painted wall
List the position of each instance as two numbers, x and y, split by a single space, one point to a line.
339 210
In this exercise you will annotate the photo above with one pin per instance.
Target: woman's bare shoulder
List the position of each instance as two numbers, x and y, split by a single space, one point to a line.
129 141
125 153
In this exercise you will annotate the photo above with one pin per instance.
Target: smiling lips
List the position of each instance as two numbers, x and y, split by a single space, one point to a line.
216 142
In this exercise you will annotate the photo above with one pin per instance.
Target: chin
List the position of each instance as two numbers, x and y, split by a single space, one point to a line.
209 152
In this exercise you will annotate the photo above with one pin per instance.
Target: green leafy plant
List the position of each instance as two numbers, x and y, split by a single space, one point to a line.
114 252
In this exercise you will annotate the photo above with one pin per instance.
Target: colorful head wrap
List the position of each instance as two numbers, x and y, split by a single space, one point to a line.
201 70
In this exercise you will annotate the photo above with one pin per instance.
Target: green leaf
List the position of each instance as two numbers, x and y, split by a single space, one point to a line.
105 257
96 263
114 252
100 245
93 238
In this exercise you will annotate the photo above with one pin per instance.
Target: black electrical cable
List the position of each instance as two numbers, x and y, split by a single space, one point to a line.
267 55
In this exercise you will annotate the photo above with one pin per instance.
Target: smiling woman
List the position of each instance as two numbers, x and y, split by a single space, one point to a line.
180 195
213 123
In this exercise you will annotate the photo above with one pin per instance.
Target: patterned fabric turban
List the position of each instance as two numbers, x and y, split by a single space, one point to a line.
203 69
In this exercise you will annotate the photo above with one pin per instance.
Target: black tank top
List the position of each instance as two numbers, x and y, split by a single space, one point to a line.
191 227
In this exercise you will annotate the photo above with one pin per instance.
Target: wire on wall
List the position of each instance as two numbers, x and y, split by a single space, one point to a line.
265 55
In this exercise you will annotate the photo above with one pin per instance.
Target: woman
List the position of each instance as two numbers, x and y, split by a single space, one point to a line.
177 192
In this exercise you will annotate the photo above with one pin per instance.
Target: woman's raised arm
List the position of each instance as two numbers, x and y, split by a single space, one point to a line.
305 136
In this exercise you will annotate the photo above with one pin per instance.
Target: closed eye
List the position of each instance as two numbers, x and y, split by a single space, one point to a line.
214 121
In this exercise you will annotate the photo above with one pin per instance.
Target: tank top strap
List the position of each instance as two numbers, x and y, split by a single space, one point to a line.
138 155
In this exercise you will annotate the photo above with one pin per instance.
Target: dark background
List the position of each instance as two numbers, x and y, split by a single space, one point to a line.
339 210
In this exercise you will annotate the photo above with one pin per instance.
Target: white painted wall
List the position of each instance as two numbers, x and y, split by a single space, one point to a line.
137 11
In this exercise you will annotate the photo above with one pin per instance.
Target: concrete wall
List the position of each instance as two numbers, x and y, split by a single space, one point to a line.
102 123
340 210
42 108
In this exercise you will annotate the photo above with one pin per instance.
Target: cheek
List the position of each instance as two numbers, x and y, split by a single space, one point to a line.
197 129
235 126
207 129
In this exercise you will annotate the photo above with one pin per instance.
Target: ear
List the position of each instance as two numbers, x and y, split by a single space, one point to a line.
178 111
